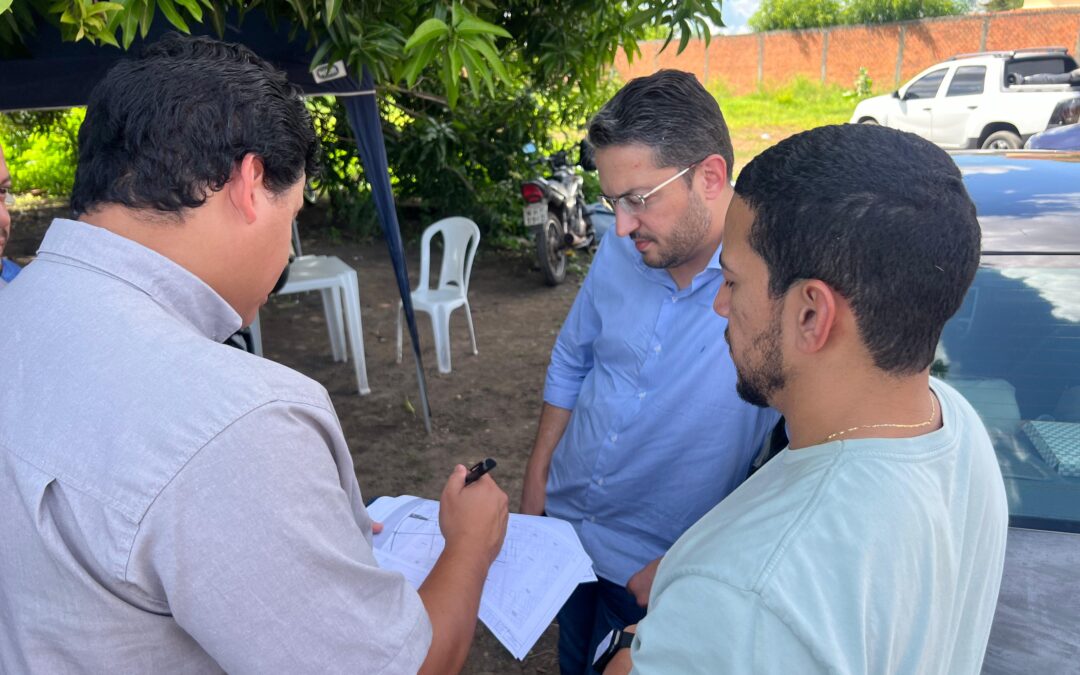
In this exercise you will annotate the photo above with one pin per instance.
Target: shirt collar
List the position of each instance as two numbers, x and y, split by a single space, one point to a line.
712 269
175 289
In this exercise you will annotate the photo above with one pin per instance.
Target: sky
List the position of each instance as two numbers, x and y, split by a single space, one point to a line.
736 12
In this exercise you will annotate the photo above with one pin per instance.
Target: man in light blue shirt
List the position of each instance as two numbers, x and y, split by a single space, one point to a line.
642 431
8 268
875 542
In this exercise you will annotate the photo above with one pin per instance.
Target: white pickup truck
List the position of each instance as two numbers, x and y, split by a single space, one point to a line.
983 100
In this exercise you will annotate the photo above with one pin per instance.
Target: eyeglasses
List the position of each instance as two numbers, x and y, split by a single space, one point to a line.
8 196
635 204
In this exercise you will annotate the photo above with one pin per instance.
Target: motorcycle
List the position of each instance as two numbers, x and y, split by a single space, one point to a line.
555 210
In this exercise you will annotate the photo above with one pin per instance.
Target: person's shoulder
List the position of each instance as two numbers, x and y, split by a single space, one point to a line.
254 381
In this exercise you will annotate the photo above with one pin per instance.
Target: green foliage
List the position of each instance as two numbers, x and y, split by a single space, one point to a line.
463 84
770 114
864 86
800 14
795 15
1002 5
41 149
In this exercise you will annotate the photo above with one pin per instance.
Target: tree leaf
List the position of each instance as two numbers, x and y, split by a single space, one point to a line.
481 45
477 70
4 5
332 9
169 10
473 26
193 8
426 32
147 18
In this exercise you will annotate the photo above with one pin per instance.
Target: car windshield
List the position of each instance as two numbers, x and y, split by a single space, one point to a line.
1013 350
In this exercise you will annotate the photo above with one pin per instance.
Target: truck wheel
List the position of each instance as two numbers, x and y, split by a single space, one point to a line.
1002 140
868 120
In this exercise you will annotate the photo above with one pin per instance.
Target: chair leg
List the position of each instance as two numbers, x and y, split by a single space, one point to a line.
472 333
351 291
331 298
256 336
400 312
440 324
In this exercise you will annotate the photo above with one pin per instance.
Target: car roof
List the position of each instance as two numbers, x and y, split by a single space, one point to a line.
1028 202
1029 52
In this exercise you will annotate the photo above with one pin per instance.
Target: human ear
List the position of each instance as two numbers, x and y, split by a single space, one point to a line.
714 172
244 186
815 308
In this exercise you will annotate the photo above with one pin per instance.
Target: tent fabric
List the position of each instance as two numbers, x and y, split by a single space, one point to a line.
48 73
363 114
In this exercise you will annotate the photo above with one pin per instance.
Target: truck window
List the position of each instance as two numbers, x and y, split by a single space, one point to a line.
1049 65
967 80
926 86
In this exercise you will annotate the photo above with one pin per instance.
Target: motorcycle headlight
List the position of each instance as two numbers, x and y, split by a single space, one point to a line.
1066 112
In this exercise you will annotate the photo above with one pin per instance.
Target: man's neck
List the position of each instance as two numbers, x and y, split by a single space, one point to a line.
866 405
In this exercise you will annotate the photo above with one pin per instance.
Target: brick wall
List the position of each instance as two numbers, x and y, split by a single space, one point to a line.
891 53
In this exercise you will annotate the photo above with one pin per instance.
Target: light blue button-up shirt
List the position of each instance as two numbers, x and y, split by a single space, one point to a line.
658 435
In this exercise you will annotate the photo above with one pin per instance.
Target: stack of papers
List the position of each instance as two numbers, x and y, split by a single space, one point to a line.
540 564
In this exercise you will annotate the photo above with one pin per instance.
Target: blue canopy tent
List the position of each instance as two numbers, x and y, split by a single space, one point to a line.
47 73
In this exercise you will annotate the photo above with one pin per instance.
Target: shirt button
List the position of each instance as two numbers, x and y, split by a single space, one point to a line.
674 299
641 394
614 437
656 348
599 481
592 519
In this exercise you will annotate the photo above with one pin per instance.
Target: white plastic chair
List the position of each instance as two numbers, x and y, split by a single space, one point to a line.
341 303
461 237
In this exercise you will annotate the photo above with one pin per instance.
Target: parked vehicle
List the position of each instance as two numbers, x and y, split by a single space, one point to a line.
555 211
1013 350
990 100
1058 138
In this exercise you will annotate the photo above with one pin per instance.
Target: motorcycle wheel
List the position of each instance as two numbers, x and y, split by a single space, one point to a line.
550 251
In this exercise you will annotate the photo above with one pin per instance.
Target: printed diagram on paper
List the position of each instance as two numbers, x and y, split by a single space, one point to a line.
540 564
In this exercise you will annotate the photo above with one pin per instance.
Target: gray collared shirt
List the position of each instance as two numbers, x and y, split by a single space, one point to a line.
171 504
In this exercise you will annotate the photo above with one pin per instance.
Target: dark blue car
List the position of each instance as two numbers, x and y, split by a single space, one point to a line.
1013 349
1059 138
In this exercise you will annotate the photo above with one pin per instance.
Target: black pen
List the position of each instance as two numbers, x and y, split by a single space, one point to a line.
478 470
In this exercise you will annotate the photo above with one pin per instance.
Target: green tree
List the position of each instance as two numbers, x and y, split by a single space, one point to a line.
795 15
1001 5
798 14
462 83
41 149
888 11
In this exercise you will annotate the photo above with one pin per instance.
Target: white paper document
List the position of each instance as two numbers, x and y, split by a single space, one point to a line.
540 564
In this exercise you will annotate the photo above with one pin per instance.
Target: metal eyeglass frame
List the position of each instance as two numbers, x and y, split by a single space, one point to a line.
635 204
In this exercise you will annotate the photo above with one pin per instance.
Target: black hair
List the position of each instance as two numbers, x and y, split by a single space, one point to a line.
881 216
670 112
164 130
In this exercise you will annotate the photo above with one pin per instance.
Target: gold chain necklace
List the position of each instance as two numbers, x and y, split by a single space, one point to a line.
933 414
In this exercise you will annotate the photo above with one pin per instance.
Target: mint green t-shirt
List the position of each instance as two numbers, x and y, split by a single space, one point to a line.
860 556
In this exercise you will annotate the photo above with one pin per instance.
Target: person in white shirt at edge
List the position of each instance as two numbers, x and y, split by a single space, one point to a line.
875 542
172 504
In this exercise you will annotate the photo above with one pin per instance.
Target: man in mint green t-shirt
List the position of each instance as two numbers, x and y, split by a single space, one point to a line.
875 542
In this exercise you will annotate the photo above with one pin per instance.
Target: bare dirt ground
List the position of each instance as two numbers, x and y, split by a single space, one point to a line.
488 405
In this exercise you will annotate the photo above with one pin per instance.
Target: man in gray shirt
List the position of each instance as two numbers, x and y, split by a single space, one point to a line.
172 504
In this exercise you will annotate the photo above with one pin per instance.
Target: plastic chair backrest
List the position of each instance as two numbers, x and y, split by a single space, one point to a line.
461 238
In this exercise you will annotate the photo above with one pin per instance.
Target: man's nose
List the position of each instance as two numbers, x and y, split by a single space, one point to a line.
625 223
722 301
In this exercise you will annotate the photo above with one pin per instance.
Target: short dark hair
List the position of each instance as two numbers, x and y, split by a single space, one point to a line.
165 130
880 215
670 112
